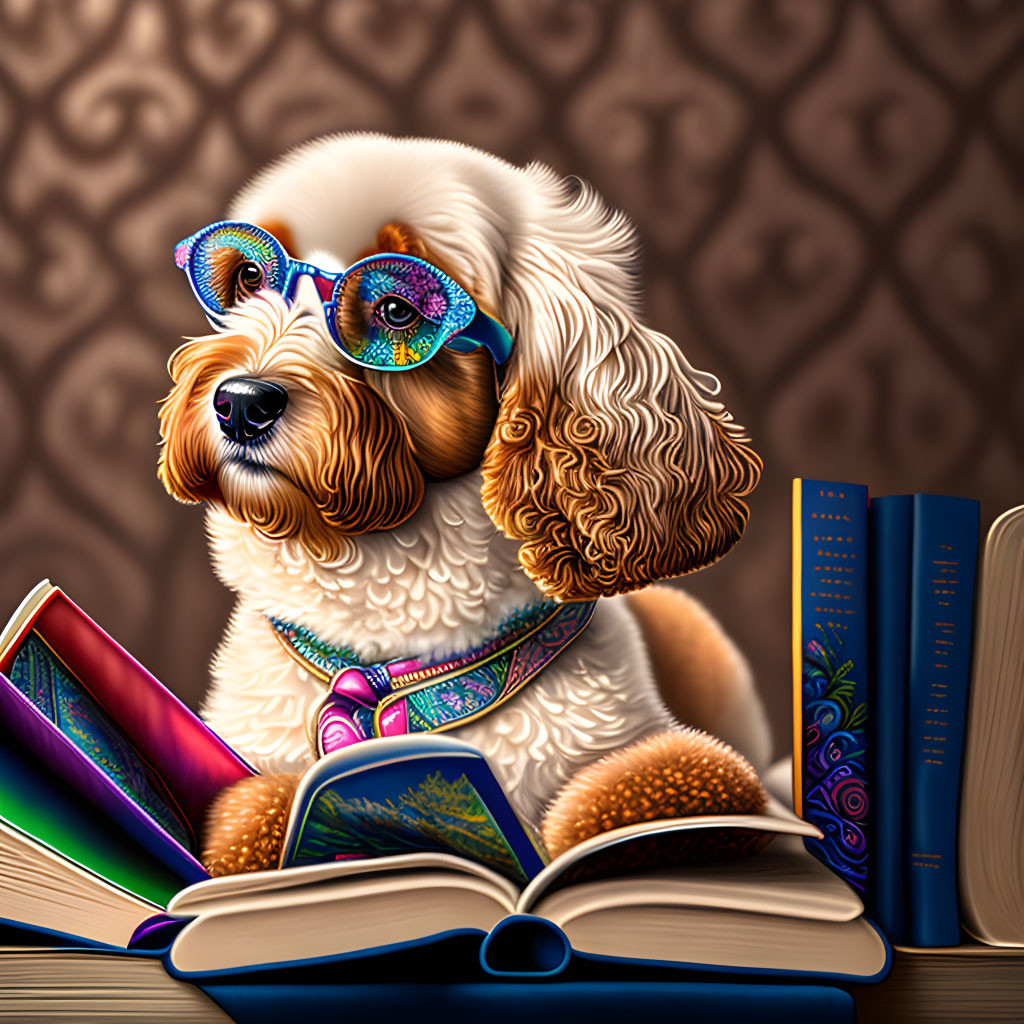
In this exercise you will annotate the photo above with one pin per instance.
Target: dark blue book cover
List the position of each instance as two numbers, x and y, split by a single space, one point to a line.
890 534
945 550
510 1001
830 666
408 794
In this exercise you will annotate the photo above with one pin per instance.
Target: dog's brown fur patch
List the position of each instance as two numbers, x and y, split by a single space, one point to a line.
450 404
246 824
400 238
696 666
223 263
670 775
353 473
591 525
283 234
449 407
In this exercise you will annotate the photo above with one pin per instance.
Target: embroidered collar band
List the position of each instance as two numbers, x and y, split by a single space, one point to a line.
409 695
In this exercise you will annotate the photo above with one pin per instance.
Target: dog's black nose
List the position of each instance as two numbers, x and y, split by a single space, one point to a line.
247 408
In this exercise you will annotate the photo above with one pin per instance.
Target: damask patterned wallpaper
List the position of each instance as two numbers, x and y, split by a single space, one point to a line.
830 194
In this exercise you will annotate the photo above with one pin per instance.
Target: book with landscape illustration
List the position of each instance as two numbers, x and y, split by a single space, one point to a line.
105 778
450 854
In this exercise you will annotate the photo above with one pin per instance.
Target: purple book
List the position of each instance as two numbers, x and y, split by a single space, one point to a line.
82 705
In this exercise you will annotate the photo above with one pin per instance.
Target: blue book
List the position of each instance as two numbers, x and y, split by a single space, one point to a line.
397 796
944 558
510 1001
830 667
890 534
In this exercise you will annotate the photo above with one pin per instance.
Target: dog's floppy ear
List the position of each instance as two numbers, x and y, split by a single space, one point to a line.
610 460
280 230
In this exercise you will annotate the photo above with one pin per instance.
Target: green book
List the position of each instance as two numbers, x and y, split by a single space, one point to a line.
105 780
45 810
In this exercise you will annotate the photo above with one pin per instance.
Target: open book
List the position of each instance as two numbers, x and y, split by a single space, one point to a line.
449 855
992 787
105 778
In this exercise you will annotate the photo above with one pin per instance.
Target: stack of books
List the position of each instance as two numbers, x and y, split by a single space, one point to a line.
909 675
909 708
401 844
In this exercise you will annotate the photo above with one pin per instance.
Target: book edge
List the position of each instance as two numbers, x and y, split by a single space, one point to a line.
24 615
797 647
1002 541
868 924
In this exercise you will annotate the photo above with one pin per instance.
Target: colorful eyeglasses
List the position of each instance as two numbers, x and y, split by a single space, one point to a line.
386 312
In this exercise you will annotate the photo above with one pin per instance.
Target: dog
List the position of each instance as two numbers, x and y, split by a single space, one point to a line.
400 514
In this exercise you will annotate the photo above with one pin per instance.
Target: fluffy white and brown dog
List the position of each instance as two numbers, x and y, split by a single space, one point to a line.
411 514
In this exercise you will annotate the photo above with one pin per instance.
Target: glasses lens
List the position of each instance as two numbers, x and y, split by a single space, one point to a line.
232 261
393 312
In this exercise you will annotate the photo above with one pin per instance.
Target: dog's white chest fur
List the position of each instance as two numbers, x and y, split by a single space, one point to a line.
436 585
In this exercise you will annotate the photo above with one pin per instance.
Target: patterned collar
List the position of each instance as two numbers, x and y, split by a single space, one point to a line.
410 695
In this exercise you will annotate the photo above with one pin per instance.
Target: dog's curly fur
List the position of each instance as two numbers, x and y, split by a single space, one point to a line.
409 514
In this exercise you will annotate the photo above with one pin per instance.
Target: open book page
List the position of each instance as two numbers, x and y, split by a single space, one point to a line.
22 614
783 879
991 863
408 794
335 917
42 889
783 875
653 843
701 935
232 892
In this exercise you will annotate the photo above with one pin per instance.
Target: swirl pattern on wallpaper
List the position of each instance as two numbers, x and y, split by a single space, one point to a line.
828 192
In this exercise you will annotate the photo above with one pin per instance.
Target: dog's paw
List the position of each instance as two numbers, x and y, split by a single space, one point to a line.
670 775
246 823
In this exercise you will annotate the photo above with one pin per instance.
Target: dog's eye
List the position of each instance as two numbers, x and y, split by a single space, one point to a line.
248 278
396 313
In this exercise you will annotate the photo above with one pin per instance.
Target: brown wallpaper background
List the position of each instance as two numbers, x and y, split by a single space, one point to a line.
830 194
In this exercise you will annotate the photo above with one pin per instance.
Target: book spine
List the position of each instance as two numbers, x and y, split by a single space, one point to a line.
830 666
890 532
944 560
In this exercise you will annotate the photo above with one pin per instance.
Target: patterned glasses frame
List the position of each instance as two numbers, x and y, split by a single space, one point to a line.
389 311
